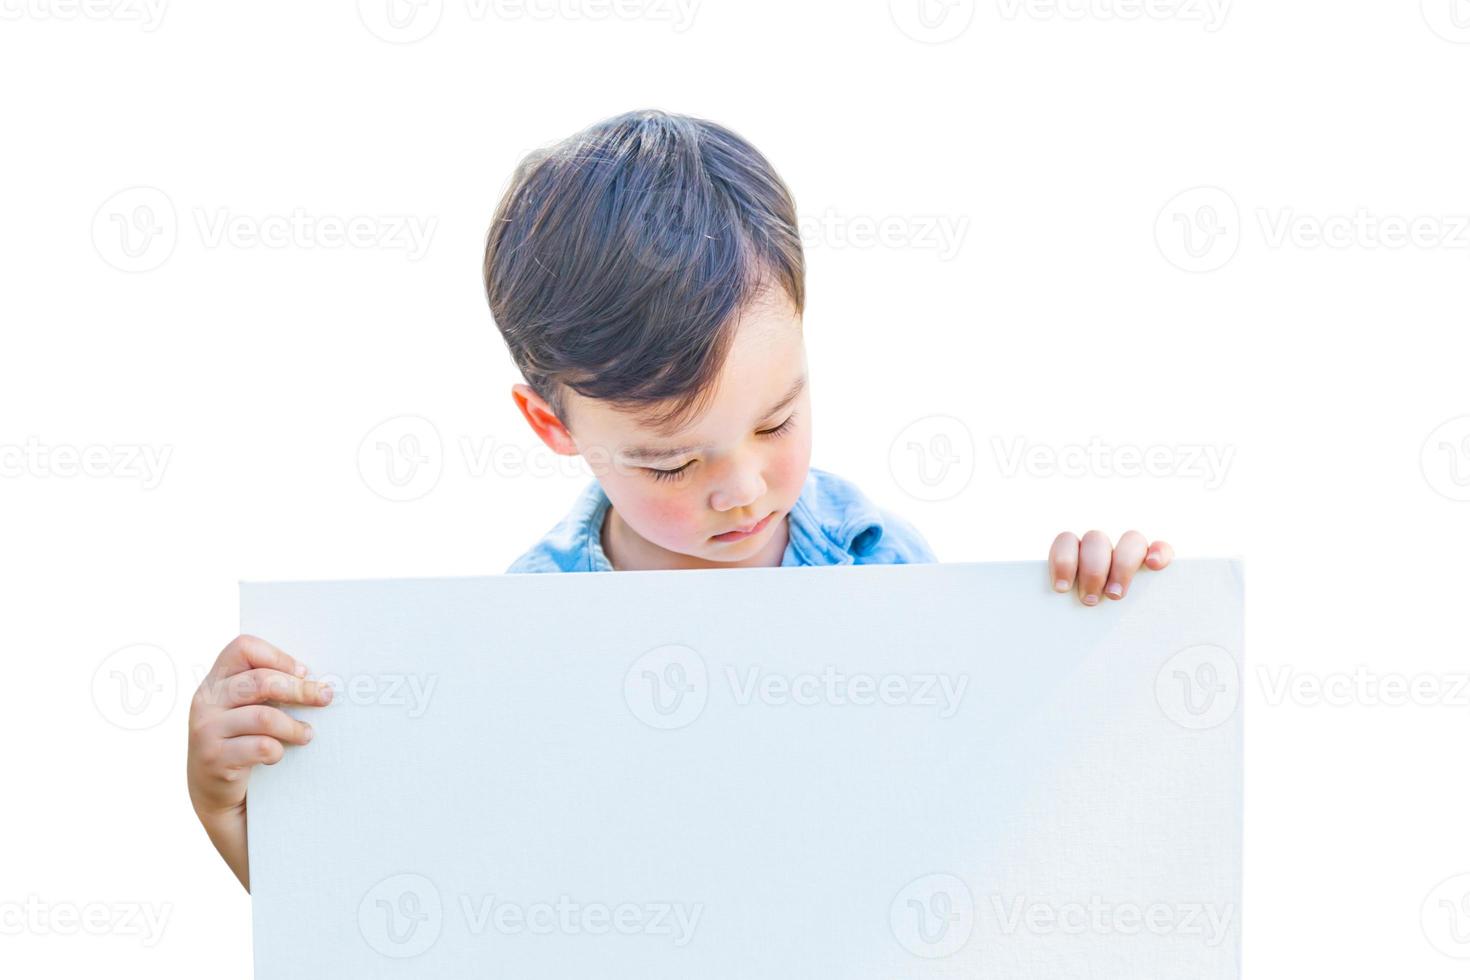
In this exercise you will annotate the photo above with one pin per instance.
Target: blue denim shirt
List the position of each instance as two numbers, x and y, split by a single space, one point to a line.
832 523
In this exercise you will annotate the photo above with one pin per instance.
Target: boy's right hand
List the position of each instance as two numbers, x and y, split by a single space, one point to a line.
232 728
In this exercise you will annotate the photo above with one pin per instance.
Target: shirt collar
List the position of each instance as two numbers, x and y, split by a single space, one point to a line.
832 523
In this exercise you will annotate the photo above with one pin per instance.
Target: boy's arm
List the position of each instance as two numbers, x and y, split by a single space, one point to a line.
232 729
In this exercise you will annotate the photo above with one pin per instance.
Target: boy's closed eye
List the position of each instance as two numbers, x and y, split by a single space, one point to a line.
678 471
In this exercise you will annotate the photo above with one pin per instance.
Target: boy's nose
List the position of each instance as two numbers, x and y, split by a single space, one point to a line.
737 489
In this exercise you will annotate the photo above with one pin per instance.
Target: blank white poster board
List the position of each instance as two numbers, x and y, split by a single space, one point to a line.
850 772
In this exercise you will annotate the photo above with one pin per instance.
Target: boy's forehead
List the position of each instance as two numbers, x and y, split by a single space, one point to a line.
764 372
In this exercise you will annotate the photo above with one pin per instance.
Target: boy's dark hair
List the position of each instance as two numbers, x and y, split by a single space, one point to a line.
619 259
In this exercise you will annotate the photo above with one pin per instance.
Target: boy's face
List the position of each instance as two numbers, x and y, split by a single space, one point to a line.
744 459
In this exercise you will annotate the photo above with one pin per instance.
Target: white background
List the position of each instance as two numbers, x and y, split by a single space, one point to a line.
1328 370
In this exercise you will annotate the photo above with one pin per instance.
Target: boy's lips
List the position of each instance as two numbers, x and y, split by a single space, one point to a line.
746 530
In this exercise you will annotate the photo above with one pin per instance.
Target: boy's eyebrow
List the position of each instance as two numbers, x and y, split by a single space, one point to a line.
646 454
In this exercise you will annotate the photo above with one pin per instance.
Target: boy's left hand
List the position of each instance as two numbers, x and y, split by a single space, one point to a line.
1098 569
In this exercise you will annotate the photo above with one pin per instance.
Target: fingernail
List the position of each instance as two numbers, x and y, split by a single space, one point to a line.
1115 590
306 736
301 670
1090 600
1062 585
327 693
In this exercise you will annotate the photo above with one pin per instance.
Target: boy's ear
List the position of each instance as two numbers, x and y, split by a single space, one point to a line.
541 418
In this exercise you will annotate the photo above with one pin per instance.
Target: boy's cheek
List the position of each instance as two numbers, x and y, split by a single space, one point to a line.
664 520
676 519
789 470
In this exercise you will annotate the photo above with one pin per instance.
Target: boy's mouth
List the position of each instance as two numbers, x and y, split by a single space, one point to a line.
746 531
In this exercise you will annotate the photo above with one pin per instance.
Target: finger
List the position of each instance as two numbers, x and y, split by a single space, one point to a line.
1062 562
262 719
1127 559
1094 557
246 651
245 751
1159 555
261 684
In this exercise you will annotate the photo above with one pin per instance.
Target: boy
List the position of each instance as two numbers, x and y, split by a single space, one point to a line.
647 276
